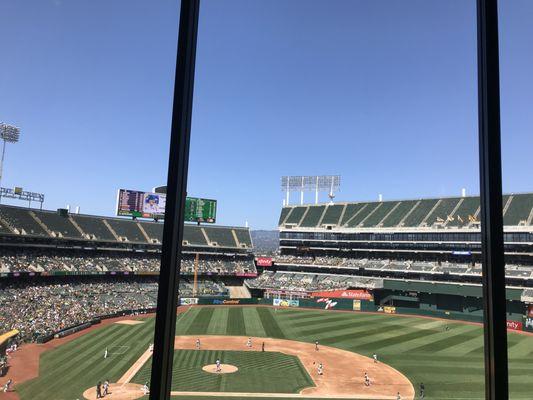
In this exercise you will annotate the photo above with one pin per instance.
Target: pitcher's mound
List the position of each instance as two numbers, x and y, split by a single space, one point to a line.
224 369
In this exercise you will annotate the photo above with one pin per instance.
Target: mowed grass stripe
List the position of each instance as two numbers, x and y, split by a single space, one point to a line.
235 324
252 322
459 334
346 325
270 326
219 321
201 321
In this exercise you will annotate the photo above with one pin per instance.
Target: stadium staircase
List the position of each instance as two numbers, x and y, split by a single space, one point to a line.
530 218
452 214
362 223
42 225
3 222
148 239
117 238
507 205
78 228
380 223
402 222
424 221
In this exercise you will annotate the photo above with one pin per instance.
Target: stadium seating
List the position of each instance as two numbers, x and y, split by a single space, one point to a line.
519 210
312 217
221 236
58 224
31 222
94 227
20 220
452 212
332 214
127 230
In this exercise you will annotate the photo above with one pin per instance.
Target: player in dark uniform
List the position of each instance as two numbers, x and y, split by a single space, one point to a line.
99 390
422 390
263 347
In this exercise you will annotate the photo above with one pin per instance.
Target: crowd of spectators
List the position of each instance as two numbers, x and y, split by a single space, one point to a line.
305 282
49 260
40 309
430 267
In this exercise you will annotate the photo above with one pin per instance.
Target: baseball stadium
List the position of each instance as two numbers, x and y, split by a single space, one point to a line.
362 300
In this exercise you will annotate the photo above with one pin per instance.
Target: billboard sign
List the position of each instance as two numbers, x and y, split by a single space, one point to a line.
264 261
514 325
139 204
345 294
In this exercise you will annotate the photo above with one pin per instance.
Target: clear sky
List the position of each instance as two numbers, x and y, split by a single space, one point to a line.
383 93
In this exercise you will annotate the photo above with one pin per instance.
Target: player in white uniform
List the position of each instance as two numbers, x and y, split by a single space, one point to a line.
198 344
367 380
398 397
151 347
375 357
249 343
145 389
320 369
105 353
218 368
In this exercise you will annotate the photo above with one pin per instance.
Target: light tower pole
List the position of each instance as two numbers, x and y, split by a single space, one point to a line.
8 134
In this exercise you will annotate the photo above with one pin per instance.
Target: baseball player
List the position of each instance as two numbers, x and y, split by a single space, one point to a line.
198 344
145 389
375 357
105 353
7 385
367 380
316 345
151 347
263 347
218 368
398 397
320 369
106 387
422 390
249 343
99 390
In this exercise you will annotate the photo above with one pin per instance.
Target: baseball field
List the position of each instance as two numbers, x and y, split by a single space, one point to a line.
447 356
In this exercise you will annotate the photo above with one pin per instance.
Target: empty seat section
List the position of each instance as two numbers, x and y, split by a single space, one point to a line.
380 213
194 235
351 210
313 216
20 218
58 223
466 210
442 211
296 215
332 214
127 229
397 215
365 211
222 236
420 212
4 229
519 209
244 236
154 230
284 213
94 226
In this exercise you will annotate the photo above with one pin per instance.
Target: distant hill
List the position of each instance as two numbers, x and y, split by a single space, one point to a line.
265 241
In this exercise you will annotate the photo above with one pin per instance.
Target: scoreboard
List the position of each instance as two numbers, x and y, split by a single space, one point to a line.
139 204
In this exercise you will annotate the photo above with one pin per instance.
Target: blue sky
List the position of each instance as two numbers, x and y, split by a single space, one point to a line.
383 93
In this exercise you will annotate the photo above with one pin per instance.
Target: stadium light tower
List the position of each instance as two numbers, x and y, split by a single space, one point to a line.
9 134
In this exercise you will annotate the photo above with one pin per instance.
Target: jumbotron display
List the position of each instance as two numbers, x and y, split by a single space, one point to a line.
140 204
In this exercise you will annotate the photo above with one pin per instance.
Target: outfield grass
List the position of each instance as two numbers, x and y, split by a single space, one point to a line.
450 363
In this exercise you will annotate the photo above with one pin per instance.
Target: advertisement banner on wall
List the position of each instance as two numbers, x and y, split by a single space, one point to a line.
327 303
188 301
263 261
357 305
345 294
286 303
514 325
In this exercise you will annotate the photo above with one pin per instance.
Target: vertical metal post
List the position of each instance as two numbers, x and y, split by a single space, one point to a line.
494 297
165 324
